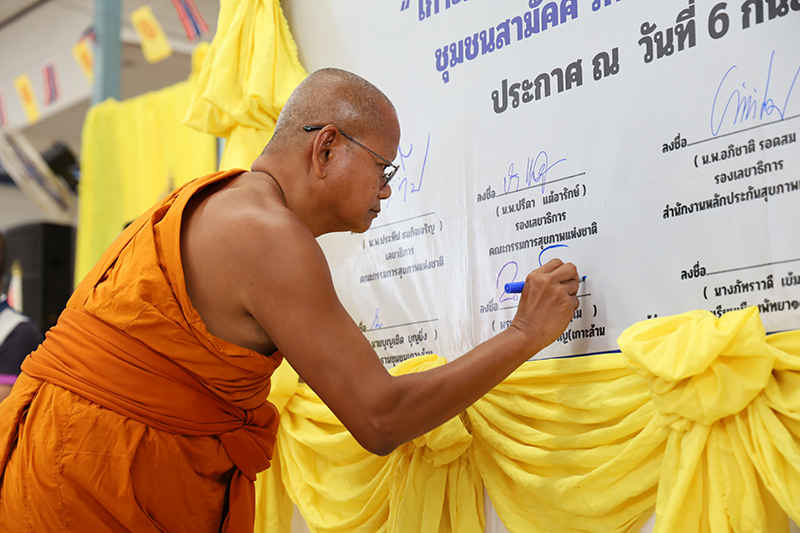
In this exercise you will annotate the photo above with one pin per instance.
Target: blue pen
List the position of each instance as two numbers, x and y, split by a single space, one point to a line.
517 286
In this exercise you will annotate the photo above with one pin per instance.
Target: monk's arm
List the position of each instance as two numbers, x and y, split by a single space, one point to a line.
289 291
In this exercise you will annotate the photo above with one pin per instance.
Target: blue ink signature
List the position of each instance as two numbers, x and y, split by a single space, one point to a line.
535 172
404 183
747 104
505 297
531 175
507 179
377 324
550 248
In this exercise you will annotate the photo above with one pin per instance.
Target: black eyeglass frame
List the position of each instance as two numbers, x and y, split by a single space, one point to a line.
387 175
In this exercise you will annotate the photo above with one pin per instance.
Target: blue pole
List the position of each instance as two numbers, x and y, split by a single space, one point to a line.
108 50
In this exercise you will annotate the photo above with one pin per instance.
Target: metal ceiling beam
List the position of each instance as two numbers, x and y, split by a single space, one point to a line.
108 50
22 12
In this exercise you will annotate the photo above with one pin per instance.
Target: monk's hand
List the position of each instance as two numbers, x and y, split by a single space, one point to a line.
549 299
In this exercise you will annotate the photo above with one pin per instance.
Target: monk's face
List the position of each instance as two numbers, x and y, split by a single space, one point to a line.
366 186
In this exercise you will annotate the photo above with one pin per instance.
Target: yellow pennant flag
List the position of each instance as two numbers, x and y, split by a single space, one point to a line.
84 55
155 45
28 98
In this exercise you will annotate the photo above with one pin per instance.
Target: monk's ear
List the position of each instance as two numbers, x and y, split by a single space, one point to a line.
322 149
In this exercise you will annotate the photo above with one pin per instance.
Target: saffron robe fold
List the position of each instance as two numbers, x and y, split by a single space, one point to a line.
131 416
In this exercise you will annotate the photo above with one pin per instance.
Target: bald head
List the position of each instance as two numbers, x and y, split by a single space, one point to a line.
331 96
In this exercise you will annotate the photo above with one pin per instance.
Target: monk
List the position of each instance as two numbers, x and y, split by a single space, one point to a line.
145 407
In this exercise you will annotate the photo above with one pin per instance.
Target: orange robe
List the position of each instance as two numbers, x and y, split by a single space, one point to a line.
131 416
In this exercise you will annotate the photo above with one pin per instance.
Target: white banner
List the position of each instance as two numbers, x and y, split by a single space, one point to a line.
653 144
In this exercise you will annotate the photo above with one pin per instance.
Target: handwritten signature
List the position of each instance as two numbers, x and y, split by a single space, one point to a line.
404 183
745 103
377 324
508 274
535 172
552 246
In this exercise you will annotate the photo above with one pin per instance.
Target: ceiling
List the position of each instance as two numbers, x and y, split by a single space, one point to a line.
137 75
12 8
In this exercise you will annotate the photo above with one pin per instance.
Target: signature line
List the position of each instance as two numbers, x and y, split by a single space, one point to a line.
401 325
577 296
399 221
740 131
549 182
754 266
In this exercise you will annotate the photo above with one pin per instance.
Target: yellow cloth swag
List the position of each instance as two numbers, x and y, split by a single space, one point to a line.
697 418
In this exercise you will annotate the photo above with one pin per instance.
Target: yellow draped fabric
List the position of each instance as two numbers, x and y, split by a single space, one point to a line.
730 397
568 445
133 153
248 74
698 419
429 484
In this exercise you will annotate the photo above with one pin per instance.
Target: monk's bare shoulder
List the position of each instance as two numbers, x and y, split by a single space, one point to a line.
233 235
259 279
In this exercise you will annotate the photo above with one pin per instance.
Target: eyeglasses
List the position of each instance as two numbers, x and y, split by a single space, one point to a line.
389 171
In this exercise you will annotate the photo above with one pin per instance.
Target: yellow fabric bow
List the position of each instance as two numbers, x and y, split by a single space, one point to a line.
731 397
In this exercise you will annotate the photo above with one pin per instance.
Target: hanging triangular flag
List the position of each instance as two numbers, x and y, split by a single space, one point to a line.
52 89
89 34
191 18
84 55
155 45
3 112
28 98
